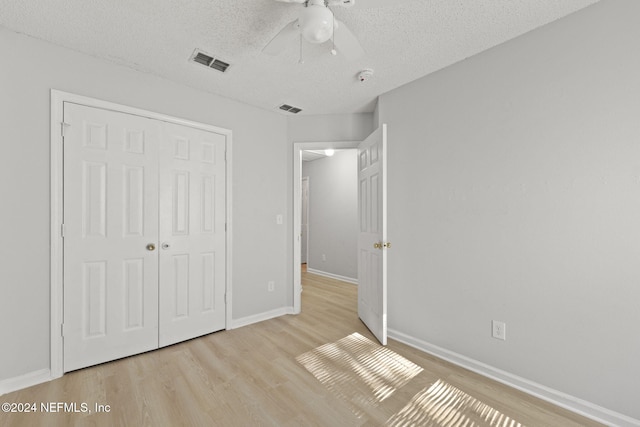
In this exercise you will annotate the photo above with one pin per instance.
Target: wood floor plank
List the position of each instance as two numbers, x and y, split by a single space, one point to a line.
254 376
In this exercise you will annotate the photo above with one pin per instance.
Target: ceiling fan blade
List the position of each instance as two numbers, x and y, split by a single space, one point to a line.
370 4
346 43
282 39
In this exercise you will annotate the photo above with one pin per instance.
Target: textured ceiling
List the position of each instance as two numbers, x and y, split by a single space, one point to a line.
403 41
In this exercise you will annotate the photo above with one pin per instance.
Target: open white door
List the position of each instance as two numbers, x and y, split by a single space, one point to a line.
372 236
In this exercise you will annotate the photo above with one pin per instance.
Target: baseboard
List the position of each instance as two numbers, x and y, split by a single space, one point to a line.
23 381
332 276
556 397
255 318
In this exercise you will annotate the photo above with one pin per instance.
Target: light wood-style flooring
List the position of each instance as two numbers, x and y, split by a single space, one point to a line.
320 368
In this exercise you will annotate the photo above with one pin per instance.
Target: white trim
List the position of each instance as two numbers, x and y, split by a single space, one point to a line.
228 298
260 317
558 398
297 210
58 98
56 263
23 381
333 276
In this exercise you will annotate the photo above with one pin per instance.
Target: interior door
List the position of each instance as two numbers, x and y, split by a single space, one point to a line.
372 236
192 233
110 216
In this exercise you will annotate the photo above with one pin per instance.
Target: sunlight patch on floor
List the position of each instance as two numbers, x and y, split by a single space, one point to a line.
446 406
358 370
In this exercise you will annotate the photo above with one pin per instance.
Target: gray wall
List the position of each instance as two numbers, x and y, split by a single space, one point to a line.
333 214
514 194
330 127
260 184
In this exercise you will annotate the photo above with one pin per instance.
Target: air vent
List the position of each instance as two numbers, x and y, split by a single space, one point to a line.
290 109
209 61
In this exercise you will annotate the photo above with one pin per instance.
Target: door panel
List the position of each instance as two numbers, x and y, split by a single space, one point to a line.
192 233
372 247
110 215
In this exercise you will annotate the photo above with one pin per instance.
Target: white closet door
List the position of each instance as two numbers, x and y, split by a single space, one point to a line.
192 233
110 216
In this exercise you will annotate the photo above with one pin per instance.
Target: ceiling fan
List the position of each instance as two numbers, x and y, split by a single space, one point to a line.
317 24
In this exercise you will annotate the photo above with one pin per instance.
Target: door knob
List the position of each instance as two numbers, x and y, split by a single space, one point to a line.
377 245
387 245
151 247
165 246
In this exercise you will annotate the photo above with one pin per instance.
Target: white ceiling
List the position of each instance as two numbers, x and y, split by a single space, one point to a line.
403 41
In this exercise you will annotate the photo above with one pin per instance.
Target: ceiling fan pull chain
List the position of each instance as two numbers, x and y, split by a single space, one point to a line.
334 52
301 60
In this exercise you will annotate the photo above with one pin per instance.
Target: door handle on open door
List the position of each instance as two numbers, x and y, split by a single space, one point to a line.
151 247
377 245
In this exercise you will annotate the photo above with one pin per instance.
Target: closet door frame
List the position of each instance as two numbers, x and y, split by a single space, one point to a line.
58 98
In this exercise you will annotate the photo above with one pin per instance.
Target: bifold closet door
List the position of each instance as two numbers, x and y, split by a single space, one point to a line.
192 233
110 219
144 234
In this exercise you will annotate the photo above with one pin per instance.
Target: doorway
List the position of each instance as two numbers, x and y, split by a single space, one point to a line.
372 227
298 148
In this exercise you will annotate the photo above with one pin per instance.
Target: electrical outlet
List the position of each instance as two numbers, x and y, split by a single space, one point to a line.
271 286
499 330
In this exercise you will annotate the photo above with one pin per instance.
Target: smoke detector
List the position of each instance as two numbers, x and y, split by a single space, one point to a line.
365 75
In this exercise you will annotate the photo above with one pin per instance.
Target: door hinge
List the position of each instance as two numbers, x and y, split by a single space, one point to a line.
225 298
63 128
62 229
62 329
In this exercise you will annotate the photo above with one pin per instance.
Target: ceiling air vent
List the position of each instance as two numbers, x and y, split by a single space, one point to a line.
209 61
290 109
